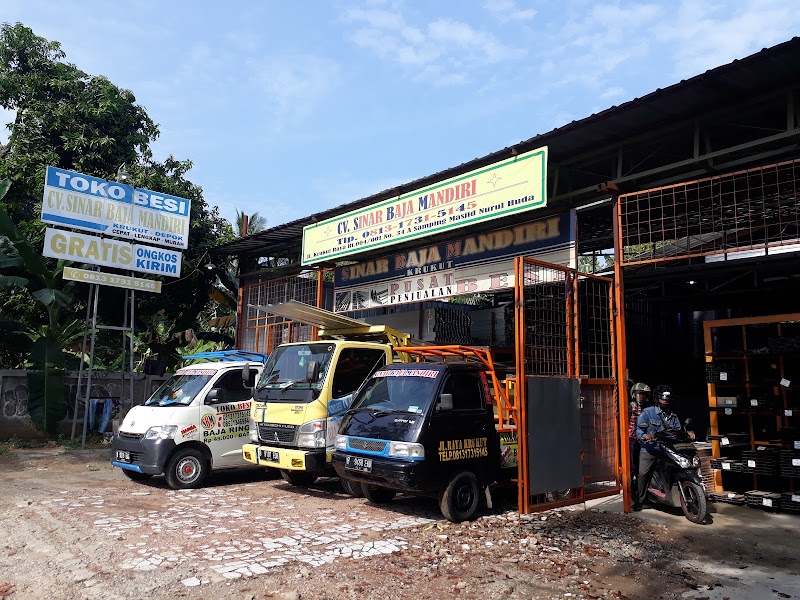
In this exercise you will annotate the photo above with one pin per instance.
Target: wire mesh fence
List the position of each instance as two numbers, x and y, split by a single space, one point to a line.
599 438
595 341
260 331
548 335
747 210
567 331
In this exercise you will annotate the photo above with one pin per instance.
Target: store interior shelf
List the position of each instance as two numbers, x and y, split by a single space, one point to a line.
753 409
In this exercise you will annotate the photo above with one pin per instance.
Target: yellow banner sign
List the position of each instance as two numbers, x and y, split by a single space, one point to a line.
505 188
121 281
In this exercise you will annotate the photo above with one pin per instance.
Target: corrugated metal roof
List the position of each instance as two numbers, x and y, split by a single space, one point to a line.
769 69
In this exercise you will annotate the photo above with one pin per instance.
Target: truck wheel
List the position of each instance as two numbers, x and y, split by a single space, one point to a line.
460 498
693 502
135 475
352 488
377 495
298 478
187 469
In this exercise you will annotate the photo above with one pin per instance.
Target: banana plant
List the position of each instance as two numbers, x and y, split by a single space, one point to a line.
21 266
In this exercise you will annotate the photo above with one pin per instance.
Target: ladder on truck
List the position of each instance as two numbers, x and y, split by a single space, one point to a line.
506 417
330 325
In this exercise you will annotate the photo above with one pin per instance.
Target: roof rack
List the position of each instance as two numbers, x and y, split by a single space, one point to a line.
472 354
229 356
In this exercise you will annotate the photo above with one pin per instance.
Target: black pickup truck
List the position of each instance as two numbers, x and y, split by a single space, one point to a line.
425 428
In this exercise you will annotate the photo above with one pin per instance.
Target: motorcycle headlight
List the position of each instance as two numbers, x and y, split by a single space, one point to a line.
683 462
406 450
252 430
161 432
312 434
341 442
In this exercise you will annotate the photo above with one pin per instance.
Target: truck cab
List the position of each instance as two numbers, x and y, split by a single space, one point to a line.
194 422
428 429
300 400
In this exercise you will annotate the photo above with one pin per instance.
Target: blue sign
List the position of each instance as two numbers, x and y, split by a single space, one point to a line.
84 202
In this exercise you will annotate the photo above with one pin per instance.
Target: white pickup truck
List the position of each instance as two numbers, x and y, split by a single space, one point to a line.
195 422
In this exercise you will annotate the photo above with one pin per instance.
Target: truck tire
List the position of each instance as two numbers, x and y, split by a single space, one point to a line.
460 499
377 495
298 478
187 469
135 475
352 488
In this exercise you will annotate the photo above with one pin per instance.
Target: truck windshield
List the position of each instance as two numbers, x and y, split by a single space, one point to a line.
181 388
288 366
395 392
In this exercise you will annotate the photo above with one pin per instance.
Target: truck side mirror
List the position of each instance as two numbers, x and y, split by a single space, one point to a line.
312 371
249 377
445 402
217 395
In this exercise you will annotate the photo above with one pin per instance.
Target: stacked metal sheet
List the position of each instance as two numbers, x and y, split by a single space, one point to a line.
726 464
790 463
452 324
759 499
790 502
729 497
760 462
720 372
762 405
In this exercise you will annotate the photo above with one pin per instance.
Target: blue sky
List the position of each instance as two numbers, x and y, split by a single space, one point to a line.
289 108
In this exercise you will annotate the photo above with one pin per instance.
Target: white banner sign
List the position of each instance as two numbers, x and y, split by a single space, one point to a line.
120 281
440 284
92 204
107 252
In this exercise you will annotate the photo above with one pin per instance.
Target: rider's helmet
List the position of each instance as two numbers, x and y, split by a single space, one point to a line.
663 396
640 388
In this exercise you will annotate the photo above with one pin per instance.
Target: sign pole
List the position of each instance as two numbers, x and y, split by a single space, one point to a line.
91 367
83 358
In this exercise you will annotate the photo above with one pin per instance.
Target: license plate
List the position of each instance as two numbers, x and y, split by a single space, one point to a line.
357 463
123 456
268 455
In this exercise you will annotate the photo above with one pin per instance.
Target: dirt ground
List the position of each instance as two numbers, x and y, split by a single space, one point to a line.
73 527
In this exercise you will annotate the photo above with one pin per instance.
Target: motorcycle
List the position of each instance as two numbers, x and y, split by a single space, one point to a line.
676 479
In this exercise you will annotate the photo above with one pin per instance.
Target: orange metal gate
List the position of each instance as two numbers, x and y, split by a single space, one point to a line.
565 328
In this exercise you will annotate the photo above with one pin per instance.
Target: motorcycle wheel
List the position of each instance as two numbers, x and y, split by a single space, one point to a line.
693 502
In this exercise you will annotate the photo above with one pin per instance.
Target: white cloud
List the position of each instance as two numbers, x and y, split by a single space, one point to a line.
612 93
705 35
294 85
506 10
445 51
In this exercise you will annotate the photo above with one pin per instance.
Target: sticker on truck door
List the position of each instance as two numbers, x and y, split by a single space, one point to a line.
463 449
227 426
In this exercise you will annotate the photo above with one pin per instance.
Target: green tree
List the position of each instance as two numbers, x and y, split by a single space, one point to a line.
72 120
255 223
64 118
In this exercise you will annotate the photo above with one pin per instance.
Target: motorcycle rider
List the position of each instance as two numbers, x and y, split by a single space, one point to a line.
654 419
640 399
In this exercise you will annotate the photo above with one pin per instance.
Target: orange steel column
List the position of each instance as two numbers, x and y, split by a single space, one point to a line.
523 485
622 363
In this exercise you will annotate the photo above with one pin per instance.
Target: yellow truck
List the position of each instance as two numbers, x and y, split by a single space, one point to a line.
306 388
